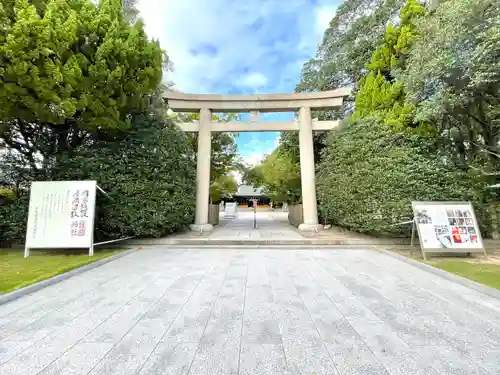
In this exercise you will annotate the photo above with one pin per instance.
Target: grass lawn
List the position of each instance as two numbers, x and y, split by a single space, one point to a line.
17 272
476 268
487 274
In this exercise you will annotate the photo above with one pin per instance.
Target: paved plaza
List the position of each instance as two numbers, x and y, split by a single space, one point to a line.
252 311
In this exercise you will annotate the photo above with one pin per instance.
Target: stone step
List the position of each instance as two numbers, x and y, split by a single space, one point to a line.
270 246
257 242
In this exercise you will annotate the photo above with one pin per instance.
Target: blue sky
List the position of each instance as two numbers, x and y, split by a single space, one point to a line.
238 47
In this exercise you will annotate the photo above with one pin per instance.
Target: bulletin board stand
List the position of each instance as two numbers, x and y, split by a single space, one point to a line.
61 216
447 207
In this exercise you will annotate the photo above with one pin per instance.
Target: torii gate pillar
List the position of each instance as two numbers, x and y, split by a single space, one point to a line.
307 173
203 173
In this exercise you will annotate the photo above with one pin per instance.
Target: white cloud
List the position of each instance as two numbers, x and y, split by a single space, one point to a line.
255 158
227 46
254 80
256 149
323 17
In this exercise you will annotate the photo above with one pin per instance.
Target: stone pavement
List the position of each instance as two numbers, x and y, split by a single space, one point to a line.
272 227
191 311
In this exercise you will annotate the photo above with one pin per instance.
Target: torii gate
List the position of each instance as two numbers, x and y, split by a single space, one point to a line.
205 104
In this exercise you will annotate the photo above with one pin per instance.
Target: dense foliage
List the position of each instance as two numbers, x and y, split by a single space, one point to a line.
80 99
355 31
453 78
68 67
424 123
279 175
148 177
353 34
380 94
370 175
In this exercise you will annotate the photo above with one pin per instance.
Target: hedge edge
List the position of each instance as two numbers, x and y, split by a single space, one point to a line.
16 294
492 292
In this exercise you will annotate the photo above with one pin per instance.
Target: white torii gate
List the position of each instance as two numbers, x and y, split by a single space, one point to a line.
205 104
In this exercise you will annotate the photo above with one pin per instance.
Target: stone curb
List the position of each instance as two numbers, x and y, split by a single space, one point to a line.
11 296
492 292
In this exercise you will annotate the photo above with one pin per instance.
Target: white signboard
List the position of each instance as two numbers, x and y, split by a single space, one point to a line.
447 227
61 215
230 210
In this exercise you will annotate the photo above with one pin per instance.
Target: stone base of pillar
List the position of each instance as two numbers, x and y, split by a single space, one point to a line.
202 228
310 227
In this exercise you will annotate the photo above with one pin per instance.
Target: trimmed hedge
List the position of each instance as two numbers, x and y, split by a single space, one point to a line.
149 175
13 220
150 178
369 175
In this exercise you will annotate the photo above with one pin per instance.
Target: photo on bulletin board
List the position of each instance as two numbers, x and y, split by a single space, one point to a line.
447 227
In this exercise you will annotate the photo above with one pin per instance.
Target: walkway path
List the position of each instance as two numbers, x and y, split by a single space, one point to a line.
271 227
195 312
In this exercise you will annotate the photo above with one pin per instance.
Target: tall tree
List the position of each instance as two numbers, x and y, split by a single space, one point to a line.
453 79
70 67
279 175
223 187
355 30
353 34
380 93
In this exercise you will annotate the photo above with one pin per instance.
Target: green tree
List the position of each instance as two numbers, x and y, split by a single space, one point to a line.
253 176
68 67
380 94
280 176
453 78
223 187
355 30
353 34
80 99
373 167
